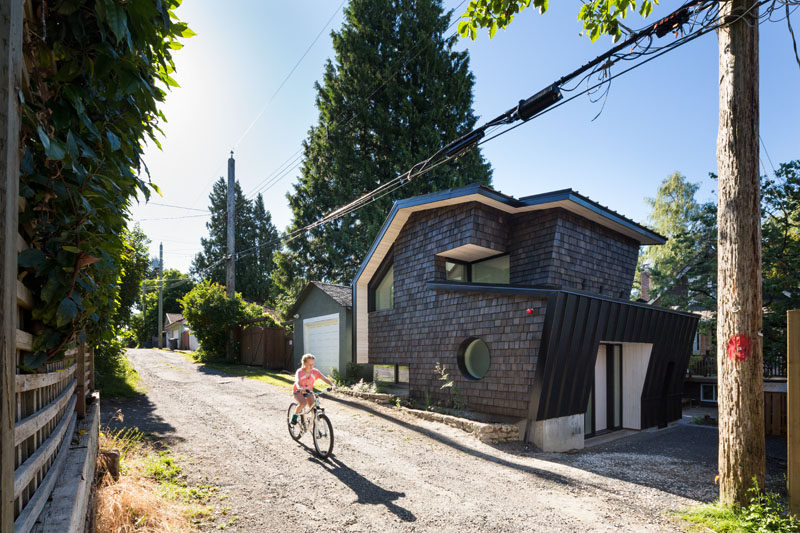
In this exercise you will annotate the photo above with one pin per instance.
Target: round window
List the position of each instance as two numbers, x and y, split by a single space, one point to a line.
474 359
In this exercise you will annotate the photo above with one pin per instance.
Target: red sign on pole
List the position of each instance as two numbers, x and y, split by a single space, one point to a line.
739 348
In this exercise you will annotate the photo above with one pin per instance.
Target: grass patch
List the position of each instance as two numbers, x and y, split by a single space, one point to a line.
151 493
765 513
117 379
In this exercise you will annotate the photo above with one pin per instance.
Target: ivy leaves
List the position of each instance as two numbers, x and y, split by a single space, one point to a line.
96 81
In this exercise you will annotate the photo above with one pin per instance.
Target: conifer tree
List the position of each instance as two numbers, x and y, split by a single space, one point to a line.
395 92
256 241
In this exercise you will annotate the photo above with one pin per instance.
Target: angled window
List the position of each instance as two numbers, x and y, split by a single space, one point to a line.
494 270
383 297
455 271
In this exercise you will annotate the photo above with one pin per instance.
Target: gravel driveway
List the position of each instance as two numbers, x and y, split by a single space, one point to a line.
393 472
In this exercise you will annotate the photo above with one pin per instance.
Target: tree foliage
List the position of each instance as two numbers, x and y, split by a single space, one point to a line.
176 285
134 263
254 234
599 17
97 73
683 271
209 313
780 233
396 91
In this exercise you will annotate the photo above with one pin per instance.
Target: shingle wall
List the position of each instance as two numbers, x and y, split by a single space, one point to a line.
425 326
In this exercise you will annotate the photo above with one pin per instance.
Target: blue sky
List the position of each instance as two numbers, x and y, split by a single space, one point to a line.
658 119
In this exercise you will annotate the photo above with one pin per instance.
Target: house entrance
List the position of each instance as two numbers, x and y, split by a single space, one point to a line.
604 409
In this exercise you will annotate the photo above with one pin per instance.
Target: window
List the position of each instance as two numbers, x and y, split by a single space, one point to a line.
384 291
473 358
708 392
455 271
493 270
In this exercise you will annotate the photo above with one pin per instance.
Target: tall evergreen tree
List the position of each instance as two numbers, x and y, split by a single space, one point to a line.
396 92
256 241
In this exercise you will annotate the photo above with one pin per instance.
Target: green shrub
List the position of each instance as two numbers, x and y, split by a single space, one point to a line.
764 514
114 374
210 313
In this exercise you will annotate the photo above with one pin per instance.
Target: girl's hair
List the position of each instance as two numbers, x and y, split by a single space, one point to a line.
306 357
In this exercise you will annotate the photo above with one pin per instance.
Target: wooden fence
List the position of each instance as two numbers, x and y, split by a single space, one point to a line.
47 407
265 347
775 413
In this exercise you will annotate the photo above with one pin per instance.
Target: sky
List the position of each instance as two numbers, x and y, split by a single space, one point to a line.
237 94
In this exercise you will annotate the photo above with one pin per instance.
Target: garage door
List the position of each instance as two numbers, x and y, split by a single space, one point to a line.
321 338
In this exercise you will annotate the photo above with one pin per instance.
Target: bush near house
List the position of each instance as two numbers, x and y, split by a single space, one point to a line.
210 313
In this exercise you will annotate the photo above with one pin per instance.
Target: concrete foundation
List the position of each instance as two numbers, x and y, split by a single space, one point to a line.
558 434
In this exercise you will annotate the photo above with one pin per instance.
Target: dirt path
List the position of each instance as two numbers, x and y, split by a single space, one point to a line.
390 472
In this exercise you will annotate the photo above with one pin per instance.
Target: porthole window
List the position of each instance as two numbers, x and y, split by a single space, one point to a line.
473 358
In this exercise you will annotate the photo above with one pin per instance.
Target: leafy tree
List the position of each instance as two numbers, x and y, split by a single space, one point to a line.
176 285
135 263
210 313
781 256
742 452
375 124
97 75
255 236
684 270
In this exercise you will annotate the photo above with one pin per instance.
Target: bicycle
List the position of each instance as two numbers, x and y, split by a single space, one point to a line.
320 424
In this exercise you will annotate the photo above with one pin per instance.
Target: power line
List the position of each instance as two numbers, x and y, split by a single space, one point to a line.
542 102
177 206
296 157
289 75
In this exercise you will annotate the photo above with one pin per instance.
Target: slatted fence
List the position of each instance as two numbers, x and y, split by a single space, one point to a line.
265 347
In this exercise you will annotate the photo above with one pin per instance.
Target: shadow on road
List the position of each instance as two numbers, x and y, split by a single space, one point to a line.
137 411
543 474
368 492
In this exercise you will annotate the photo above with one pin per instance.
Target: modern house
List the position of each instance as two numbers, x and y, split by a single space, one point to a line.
526 302
323 325
177 333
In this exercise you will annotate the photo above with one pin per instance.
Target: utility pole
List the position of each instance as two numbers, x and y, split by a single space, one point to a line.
160 317
230 277
144 314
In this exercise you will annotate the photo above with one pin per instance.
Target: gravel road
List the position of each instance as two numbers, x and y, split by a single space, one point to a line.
391 471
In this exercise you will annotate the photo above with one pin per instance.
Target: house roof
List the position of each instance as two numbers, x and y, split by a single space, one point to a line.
566 199
172 318
341 294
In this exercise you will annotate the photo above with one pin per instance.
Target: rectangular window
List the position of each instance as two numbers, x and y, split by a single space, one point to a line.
384 292
455 271
708 392
495 270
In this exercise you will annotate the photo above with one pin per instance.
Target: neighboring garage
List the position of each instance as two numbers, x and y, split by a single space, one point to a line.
323 326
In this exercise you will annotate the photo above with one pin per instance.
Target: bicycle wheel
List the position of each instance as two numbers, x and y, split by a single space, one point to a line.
323 436
294 429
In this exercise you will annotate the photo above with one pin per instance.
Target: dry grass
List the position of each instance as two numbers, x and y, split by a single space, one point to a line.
150 495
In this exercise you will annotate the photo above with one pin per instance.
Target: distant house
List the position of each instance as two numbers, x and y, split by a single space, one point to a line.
323 325
177 334
525 301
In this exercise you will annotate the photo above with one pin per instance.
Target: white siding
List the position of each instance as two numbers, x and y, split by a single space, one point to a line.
635 359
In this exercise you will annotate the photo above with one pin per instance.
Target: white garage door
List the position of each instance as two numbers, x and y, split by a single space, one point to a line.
321 338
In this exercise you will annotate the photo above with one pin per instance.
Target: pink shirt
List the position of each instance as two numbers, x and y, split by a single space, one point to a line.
305 381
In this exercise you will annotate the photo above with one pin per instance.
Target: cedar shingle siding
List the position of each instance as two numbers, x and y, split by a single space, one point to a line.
551 248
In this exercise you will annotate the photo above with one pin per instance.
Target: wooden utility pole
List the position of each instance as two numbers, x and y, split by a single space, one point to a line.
793 405
740 361
230 277
11 17
160 317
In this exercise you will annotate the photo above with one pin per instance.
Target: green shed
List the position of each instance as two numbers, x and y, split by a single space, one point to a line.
323 325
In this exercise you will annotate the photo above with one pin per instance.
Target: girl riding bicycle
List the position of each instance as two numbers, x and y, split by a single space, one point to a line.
304 380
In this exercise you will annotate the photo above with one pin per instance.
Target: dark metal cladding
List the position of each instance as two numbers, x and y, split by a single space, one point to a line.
574 326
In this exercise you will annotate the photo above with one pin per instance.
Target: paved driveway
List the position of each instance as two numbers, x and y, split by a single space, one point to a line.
394 472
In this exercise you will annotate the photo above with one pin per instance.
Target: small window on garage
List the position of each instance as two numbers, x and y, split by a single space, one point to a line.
384 291
494 270
455 271
708 392
473 358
